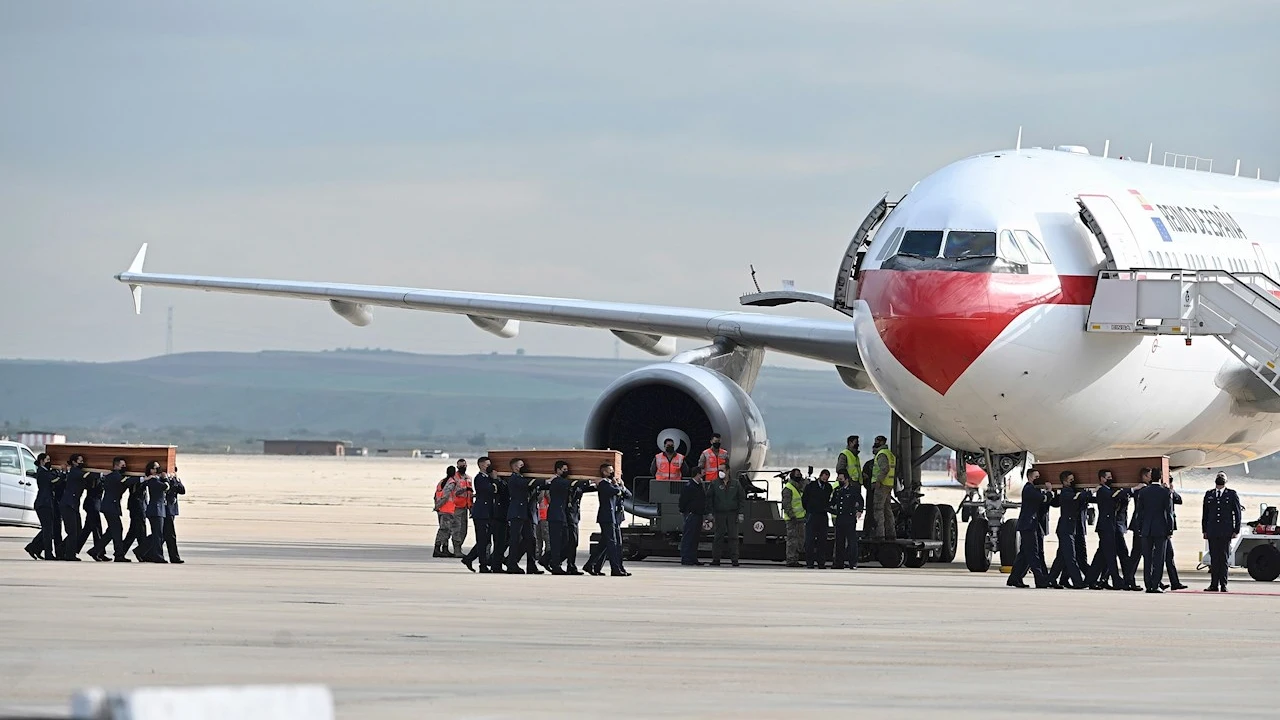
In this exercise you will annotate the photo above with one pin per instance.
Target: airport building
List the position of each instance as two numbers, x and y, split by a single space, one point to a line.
304 447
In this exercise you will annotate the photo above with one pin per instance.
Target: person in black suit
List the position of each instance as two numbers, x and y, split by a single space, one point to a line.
114 485
1220 520
519 528
176 488
1035 502
44 546
1066 570
612 492
157 484
501 504
1136 552
1113 552
69 507
573 516
816 499
137 506
482 515
557 514
1170 566
693 506
1156 520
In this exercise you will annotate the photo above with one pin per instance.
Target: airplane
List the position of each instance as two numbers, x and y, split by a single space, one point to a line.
991 307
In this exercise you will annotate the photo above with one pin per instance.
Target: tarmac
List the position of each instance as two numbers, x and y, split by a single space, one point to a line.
319 571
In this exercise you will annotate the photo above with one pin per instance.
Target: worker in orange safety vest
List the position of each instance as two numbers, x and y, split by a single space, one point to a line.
444 505
667 465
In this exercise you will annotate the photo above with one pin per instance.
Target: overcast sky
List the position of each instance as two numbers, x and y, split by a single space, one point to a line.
640 152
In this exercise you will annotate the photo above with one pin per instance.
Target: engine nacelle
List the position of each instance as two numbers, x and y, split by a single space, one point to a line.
689 401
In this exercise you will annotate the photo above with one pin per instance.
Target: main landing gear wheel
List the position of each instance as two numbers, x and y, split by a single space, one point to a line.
1008 542
950 534
976 556
890 555
1263 563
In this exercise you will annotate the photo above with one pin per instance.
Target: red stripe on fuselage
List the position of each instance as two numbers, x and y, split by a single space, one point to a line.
937 323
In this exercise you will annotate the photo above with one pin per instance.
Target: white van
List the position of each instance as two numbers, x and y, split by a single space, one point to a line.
17 485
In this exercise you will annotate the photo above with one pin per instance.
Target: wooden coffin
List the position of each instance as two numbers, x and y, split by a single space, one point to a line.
583 464
98 457
1124 471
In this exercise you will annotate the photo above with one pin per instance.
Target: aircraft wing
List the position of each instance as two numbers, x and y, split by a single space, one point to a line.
648 327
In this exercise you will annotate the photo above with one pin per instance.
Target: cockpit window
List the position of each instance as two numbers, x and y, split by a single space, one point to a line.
1010 249
1035 251
921 243
969 244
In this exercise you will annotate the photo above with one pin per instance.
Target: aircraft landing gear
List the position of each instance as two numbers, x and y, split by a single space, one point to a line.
989 534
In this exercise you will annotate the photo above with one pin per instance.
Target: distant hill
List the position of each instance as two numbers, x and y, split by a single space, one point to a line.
231 399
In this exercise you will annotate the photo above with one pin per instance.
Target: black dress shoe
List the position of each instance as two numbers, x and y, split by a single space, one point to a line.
1179 586
514 571
468 562
557 571
1017 585
73 558
1055 586
736 563
1156 591
1163 586
622 573
123 559
573 571
533 571
715 563
178 561
1211 588
1134 588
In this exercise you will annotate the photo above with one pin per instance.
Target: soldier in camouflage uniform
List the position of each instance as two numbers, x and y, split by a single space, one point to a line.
444 507
794 513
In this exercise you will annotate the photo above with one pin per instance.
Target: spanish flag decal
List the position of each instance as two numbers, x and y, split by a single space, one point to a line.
1141 200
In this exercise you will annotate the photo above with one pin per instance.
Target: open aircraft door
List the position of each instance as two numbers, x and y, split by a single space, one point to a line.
1115 236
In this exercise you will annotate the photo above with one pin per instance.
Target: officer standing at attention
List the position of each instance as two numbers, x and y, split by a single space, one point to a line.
114 485
482 516
176 488
693 505
444 512
713 463
557 517
1155 513
1066 571
463 497
1220 520
728 501
573 516
817 502
44 546
793 513
882 478
1031 534
77 479
1170 566
519 529
92 516
157 487
846 506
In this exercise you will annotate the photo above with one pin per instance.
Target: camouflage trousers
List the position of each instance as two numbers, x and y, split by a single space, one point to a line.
461 517
795 540
445 521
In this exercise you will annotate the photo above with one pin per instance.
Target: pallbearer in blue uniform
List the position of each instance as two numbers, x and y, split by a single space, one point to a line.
482 516
557 513
1035 502
610 516
44 546
1155 517
92 517
176 488
519 528
1170 566
1066 571
573 516
1220 520
157 485
114 485
77 479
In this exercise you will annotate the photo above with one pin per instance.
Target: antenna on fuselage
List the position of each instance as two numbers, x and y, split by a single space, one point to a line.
1237 167
1018 146
1106 148
753 278
1150 149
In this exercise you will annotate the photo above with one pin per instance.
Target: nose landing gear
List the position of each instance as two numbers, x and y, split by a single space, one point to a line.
989 534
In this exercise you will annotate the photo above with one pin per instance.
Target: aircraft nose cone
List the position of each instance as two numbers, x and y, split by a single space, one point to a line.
937 323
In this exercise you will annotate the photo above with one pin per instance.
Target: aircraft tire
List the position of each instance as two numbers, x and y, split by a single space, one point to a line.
890 555
1263 563
976 557
1008 542
950 535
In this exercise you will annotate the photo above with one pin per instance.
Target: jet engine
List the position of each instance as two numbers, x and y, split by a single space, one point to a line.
688 402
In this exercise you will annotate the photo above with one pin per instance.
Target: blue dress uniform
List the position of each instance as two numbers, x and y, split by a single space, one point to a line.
1156 520
137 505
1066 568
156 510
1220 520
1136 553
482 515
92 516
1170 566
501 503
846 503
610 516
519 530
77 479
114 485
573 516
1113 552
45 544
1035 503
176 488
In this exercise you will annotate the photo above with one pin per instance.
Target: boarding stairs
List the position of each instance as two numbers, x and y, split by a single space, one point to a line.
1241 310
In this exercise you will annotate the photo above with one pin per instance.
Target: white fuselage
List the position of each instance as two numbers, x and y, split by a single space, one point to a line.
1000 359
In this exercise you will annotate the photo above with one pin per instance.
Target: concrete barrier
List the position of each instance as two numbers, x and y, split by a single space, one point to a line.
249 702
